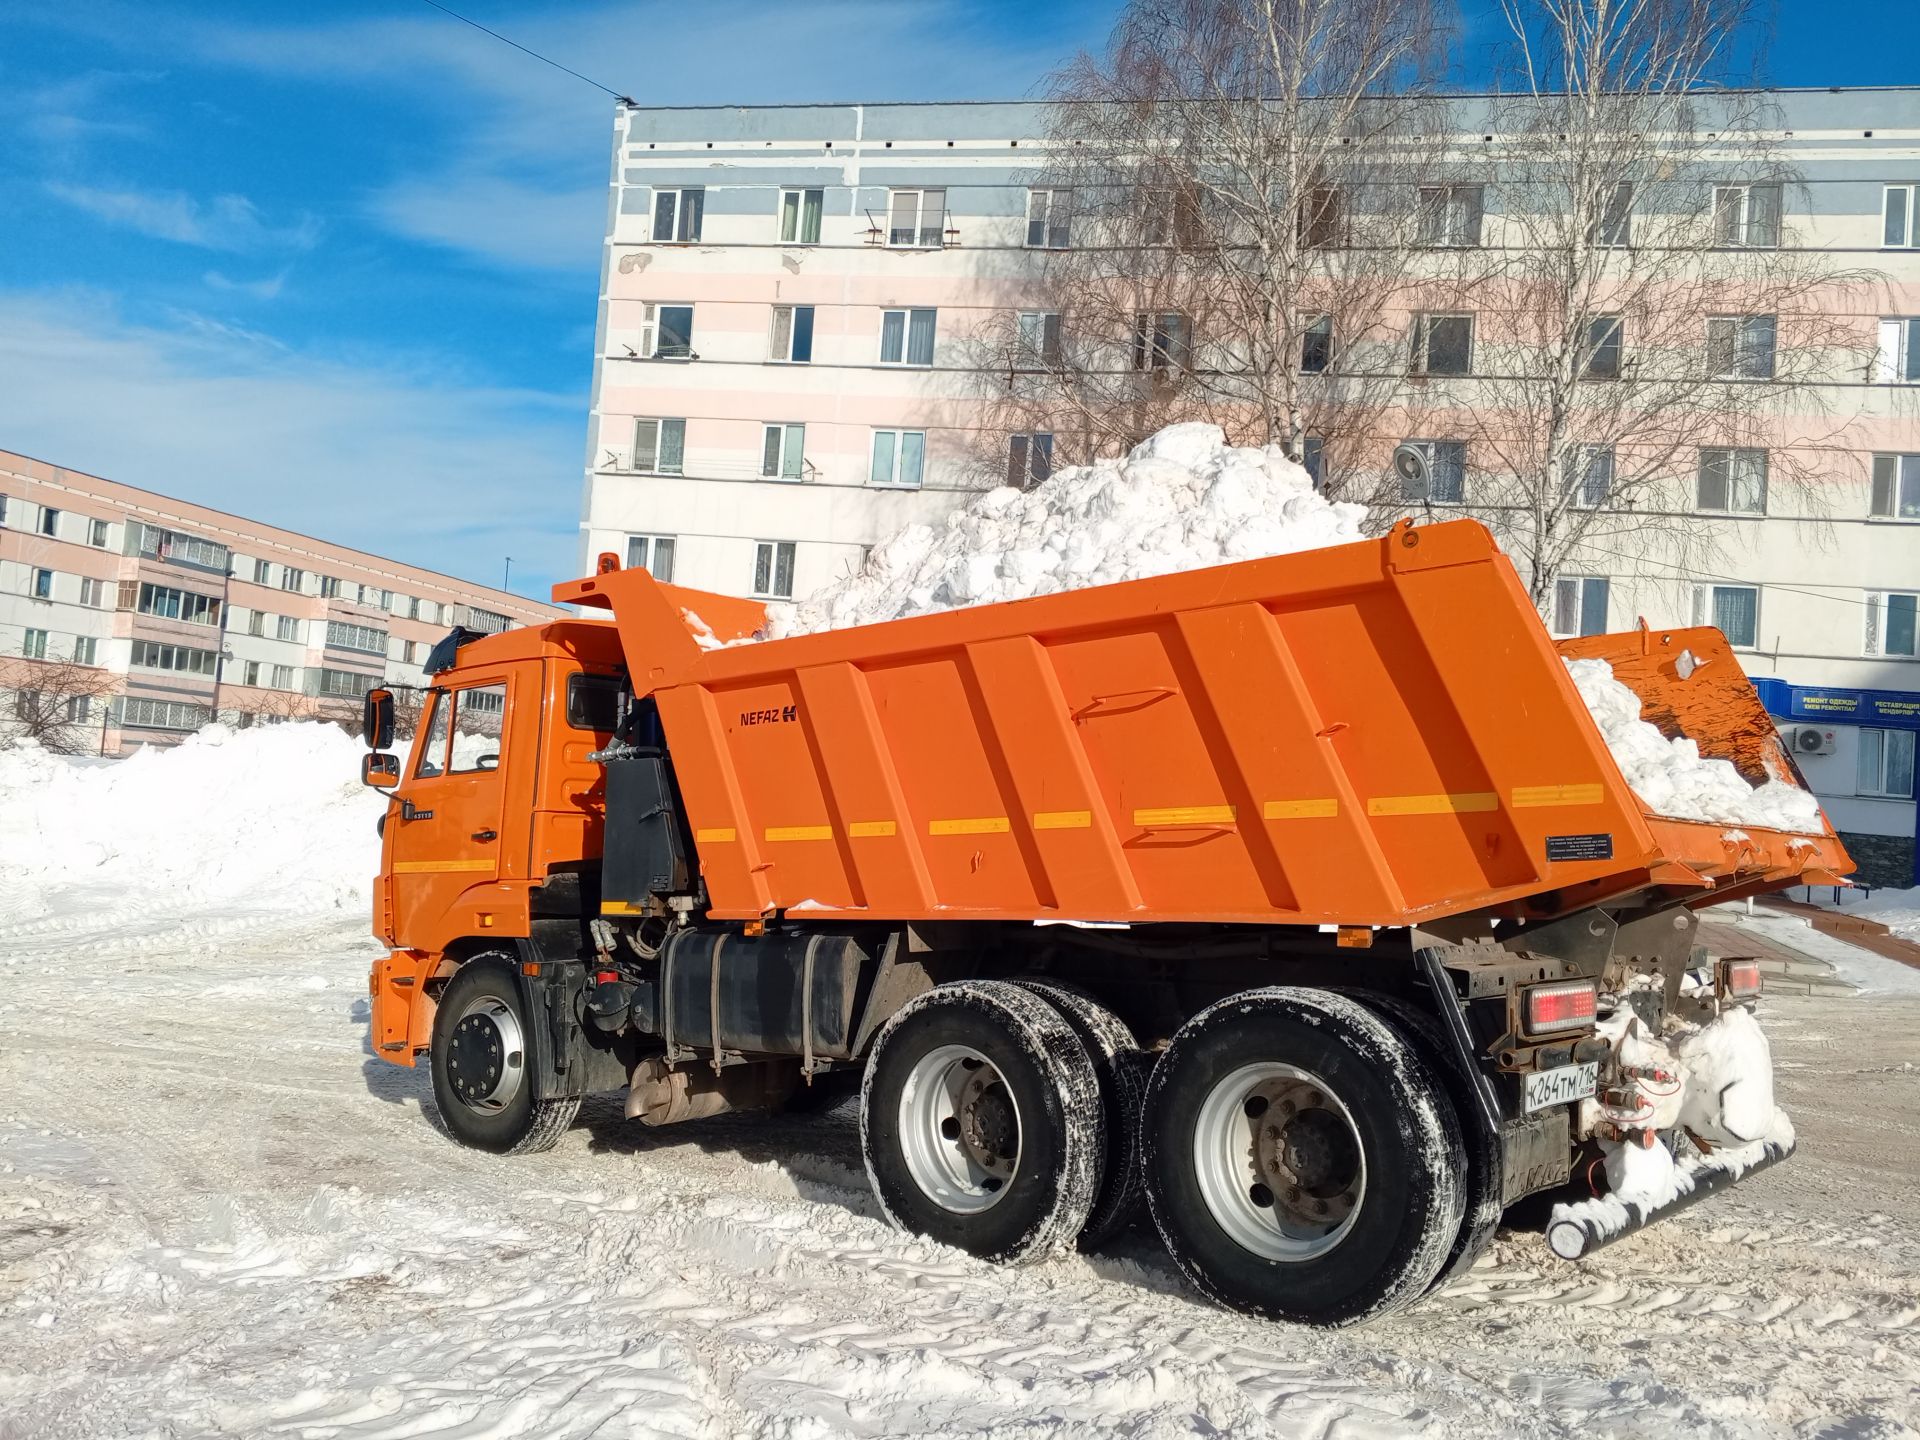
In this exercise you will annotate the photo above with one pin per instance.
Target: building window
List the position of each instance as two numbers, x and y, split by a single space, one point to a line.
288 628
1886 763
329 587
1890 624
1162 341
666 332
1447 472
1733 609
364 638
1172 216
906 337
1449 215
250 675
1029 459
1897 358
783 452
800 216
1313 459
49 521
1740 347
1734 481
1316 345
1443 344
1592 478
1746 215
152 655
1321 217
409 651
917 219
283 677
1613 225
487 622
1900 228
660 447
792 333
1896 487
171 604
292 579
676 214
653 554
86 650
1580 605
93 593
34 645
43 584
1039 339
3 509
773 569
1606 337
97 534
899 457
347 684
141 714
256 622
177 549
1049 213
262 573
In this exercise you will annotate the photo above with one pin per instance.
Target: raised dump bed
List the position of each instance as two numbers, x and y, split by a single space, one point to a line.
1373 734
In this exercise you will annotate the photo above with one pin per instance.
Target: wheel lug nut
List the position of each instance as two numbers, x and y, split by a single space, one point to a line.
1293 1192
1286 1107
1319 1207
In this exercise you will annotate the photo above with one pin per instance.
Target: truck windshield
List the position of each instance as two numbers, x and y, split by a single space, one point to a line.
433 750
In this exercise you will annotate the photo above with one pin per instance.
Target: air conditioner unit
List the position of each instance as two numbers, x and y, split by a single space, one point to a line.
1812 740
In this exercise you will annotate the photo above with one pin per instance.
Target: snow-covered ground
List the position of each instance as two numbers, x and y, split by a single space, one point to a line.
221 1215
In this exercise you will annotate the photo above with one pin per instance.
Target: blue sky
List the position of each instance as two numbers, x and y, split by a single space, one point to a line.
335 267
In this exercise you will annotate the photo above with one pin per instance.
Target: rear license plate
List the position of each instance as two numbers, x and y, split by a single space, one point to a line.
1546 1088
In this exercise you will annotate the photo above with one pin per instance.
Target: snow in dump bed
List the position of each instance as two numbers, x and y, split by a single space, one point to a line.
1182 500
274 819
1671 777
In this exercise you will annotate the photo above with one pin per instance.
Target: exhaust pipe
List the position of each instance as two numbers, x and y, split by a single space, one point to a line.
1578 1230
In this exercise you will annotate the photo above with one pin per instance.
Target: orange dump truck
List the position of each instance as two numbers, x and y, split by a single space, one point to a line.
1298 902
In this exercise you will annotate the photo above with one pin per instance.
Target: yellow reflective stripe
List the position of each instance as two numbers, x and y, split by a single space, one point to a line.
799 832
621 907
984 825
435 867
1528 797
1299 809
1466 803
714 836
1185 815
862 829
1062 819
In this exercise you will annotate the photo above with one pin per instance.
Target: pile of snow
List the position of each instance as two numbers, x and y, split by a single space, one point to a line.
1182 500
270 819
1672 778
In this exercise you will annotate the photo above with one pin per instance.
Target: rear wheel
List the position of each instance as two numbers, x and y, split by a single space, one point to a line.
1122 1068
481 1065
981 1123
1302 1161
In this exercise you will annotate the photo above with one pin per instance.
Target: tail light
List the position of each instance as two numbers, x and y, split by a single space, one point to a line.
1566 1006
1740 979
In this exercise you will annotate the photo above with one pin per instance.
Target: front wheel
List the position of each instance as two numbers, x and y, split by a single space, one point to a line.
981 1121
482 1066
1303 1162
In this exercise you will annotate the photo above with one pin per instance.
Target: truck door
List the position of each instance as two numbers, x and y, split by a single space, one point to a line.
446 817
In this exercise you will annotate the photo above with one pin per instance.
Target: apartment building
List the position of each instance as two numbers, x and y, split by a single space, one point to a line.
180 614
782 377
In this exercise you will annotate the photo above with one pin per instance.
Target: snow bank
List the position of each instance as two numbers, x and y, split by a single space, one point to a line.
274 819
1182 500
1671 777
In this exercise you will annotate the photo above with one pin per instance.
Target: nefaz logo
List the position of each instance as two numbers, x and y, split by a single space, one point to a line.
778 715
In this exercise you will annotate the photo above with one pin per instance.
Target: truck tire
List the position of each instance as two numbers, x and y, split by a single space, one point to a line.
1122 1069
1483 1209
482 1082
981 1123
1339 1214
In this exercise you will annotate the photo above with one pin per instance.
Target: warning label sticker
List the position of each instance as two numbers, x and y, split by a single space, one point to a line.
1579 847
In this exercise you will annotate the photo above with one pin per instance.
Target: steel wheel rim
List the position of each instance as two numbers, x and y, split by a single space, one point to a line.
960 1130
486 1063
1290 1195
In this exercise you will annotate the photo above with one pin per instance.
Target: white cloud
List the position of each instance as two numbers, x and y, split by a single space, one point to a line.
227 222
419 467
498 218
268 287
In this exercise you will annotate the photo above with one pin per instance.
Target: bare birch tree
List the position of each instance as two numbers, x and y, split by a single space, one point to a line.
59 703
1222 227
1655 337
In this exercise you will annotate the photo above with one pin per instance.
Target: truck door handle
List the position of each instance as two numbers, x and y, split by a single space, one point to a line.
486 835
408 811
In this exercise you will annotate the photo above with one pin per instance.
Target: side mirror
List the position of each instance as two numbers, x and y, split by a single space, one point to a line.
380 769
376 719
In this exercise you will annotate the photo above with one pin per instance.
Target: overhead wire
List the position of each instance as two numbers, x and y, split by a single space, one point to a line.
525 50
